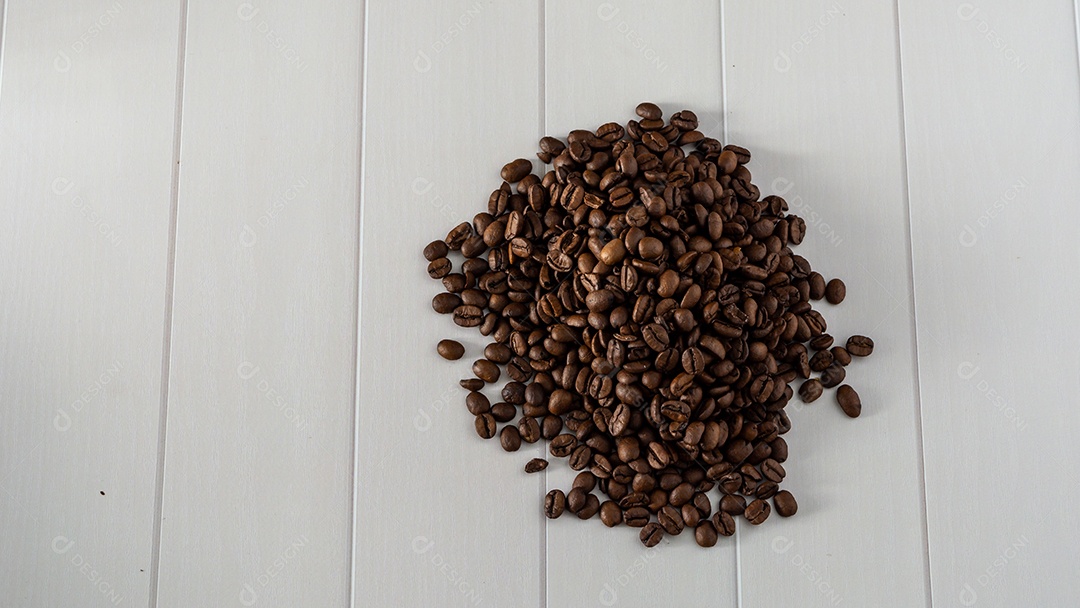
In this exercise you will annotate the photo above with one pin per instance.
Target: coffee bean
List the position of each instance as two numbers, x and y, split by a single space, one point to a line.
536 465
439 268
451 350
610 513
636 517
498 353
503 412
529 429
810 390
435 250
840 355
649 111
486 370
860 346
757 512
515 171
510 438
445 303
670 520
817 286
576 499
651 534
591 507
477 403
821 360
554 504
485 426
705 534
835 291
724 523
833 375
849 401
785 504
468 316
471 384
733 504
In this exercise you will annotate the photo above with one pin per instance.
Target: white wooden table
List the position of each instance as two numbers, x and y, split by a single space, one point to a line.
218 385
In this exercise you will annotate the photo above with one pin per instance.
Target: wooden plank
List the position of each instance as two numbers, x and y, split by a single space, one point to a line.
602 60
86 154
443 517
994 143
257 502
813 91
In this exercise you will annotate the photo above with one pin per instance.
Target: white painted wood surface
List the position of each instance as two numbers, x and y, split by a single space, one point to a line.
316 451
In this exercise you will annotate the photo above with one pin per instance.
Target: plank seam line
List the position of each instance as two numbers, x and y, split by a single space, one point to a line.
362 157
914 310
3 38
1076 19
170 283
542 91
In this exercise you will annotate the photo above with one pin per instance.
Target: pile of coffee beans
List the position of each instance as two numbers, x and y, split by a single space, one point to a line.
648 313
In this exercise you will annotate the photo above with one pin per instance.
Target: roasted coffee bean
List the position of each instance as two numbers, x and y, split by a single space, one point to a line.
529 429
860 346
485 426
477 403
510 438
590 508
486 370
841 355
651 534
785 504
445 303
724 523
670 520
435 250
810 390
649 111
503 412
835 291
610 513
498 353
757 512
576 499
733 504
636 517
536 465
471 384
451 350
849 401
515 171
439 268
833 375
705 534
821 360
554 504
468 316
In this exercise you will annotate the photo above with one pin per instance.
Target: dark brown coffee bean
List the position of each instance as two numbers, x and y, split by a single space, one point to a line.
503 412
485 426
817 286
821 360
439 268
860 346
610 513
841 355
435 250
833 375
785 504
835 291
468 316
576 499
451 350
849 401
498 353
651 534
670 520
471 384
757 512
516 170
733 504
590 508
554 504
636 517
529 429
445 303
649 111
477 403
510 438
810 390
724 523
563 445
486 370
536 465
705 534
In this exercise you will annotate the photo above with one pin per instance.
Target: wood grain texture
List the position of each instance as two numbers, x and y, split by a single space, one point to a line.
993 122
258 471
86 145
813 92
443 517
602 60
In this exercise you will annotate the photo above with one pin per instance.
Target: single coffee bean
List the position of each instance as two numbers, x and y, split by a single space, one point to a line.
536 465
733 504
591 507
445 303
471 384
585 480
849 401
468 316
477 403
435 250
503 412
499 353
724 523
610 513
554 504
636 517
649 111
860 346
817 286
835 291
670 520
705 534
485 426
757 512
651 534
529 429
821 360
516 170
510 438
576 499
833 375
439 268
810 390
486 370
451 350
785 504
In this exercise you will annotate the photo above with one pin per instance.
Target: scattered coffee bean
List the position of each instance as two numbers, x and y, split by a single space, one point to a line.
644 301
451 350
536 465
785 504
849 401
835 291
